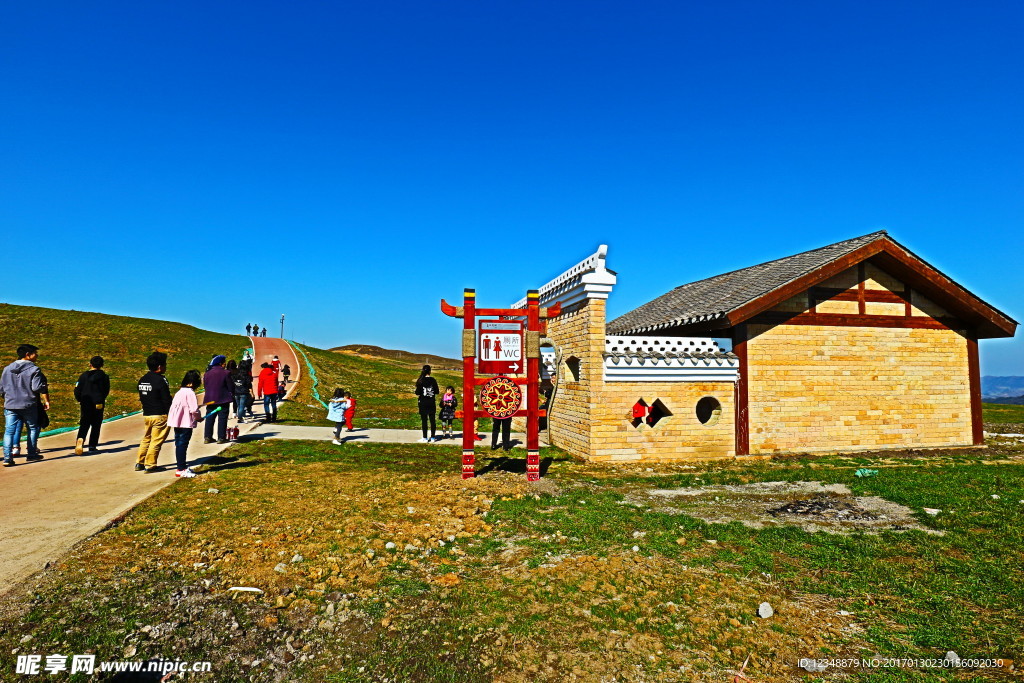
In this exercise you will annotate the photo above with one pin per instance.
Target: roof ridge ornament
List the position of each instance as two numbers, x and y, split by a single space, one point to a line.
588 279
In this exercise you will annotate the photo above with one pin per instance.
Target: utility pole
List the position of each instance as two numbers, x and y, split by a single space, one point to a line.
282 326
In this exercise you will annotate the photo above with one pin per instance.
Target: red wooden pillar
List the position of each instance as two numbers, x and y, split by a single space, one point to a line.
974 379
468 386
533 385
739 347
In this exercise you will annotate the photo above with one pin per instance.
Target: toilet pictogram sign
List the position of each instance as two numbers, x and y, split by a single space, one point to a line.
500 349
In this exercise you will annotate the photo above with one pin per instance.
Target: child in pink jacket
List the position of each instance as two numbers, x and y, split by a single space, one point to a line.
183 416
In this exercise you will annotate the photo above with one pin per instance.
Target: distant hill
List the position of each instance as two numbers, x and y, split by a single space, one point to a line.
438 362
1001 387
1010 401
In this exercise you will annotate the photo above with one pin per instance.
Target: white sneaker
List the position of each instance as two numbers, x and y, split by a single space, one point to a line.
335 442
423 440
186 473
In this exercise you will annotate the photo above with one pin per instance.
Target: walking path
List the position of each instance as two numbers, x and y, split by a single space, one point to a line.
326 433
50 505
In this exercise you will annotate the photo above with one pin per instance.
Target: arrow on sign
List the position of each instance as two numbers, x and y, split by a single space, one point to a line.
515 367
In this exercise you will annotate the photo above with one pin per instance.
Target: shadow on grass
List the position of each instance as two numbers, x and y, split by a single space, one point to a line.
513 465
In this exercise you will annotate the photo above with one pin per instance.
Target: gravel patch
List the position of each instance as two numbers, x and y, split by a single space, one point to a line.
811 505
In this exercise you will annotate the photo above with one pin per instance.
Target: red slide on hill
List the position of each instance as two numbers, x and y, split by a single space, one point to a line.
265 348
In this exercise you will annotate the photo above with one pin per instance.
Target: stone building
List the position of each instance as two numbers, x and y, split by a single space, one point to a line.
859 345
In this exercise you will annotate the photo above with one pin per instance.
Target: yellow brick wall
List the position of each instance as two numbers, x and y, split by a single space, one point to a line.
680 436
855 388
578 333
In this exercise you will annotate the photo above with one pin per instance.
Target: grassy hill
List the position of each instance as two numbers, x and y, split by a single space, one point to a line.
1003 418
68 339
406 357
382 387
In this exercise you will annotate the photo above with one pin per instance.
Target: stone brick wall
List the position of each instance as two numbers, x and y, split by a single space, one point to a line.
680 436
591 418
578 334
823 389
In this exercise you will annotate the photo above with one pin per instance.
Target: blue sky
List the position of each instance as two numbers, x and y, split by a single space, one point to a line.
349 164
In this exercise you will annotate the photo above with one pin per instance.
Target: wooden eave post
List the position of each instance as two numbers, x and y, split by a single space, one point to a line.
974 383
468 388
533 384
739 347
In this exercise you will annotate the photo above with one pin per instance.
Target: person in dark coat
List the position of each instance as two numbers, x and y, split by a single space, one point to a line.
91 392
220 392
264 333
248 330
426 399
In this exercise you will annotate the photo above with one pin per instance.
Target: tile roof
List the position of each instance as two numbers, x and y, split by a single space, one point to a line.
716 297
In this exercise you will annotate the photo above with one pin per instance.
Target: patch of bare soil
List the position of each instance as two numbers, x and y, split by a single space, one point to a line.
811 505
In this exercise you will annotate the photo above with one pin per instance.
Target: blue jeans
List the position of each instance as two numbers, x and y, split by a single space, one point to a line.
240 405
13 420
270 406
182 435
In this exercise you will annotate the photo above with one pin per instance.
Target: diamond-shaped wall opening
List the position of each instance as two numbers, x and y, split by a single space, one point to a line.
658 411
638 414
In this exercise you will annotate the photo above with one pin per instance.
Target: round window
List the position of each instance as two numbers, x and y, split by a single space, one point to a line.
708 410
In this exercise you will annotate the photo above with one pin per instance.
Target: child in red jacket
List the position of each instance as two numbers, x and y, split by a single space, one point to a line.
350 411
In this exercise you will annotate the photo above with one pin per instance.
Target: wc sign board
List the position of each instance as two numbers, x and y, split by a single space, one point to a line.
500 347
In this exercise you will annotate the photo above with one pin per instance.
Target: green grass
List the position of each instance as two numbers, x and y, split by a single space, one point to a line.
383 388
68 339
544 577
998 413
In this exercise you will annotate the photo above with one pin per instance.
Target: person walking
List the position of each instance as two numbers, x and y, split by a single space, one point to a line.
336 413
276 362
255 330
250 399
241 384
23 388
248 330
266 388
183 417
264 333
426 394
155 396
286 371
91 392
220 392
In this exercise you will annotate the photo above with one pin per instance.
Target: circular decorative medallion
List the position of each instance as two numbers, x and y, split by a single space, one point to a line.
501 397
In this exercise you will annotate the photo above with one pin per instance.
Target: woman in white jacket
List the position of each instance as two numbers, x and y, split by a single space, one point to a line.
183 416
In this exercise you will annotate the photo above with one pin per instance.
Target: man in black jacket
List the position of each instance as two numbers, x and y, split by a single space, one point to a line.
91 392
155 396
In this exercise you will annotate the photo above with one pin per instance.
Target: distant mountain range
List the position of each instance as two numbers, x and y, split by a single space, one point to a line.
1000 389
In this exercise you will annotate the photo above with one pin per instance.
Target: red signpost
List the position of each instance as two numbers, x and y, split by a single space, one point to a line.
501 352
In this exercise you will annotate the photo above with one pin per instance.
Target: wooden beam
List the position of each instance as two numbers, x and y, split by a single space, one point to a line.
850 320
881 296
770 300
895 260
862 277
974 372
917 274
739 347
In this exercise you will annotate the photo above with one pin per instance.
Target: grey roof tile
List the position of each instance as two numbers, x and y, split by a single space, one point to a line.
716 297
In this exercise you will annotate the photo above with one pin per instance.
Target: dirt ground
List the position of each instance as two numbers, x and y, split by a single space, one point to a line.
811 505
